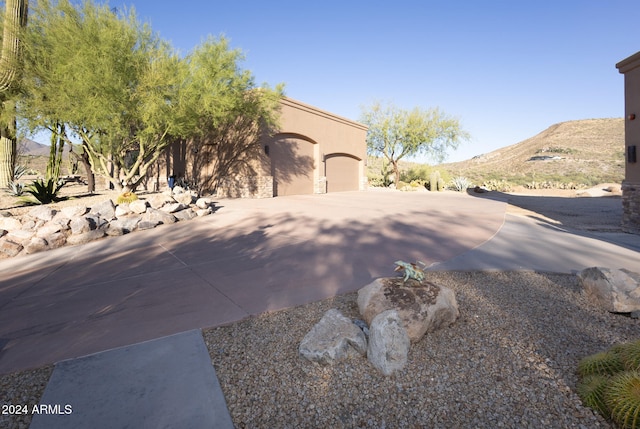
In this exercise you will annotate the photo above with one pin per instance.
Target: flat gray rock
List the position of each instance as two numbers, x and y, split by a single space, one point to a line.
164 383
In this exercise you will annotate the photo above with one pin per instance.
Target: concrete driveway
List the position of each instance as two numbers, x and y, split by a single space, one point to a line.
249 257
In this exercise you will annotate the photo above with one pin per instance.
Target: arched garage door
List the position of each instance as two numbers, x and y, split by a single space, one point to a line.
342 173
291 165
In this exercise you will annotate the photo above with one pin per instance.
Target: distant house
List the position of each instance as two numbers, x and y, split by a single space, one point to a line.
313 152
630 67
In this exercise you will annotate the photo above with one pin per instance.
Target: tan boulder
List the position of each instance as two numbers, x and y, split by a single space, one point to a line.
422 306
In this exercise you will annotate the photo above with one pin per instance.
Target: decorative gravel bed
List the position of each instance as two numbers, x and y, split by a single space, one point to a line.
21 388
509 361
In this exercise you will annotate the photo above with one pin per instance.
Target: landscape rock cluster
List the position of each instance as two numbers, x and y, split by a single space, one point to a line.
397 313
45 228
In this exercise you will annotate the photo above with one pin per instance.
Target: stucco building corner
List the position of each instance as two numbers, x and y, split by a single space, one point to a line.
630 68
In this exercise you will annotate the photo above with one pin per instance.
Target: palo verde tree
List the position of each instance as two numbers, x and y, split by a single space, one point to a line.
110 80
395 133
13 22
127 95
226 112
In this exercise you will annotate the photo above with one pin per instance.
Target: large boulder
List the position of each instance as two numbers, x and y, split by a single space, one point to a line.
82 224
173 207
10 223
617 291
10 248
186 214
45 213
332 339
138 206
422 306
185 198
105 210
204 202
388 342
158 200
37 244
74 211
85 237
123 225
158 217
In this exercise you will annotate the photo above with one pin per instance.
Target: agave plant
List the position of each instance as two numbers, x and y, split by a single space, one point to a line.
15 188
44 191
460 183
19 171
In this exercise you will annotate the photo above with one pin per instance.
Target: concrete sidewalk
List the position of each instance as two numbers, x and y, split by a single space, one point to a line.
251 256
163 383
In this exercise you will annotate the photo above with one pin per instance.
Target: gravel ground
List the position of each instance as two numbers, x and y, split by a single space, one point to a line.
509 361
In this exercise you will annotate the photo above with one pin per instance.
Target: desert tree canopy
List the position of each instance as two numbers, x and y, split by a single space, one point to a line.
122 90
396 133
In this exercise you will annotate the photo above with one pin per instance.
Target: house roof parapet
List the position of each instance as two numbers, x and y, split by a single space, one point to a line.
314 110
629 63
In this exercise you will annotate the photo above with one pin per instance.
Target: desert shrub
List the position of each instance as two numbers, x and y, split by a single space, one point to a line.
460 184
377 178
547 184
419 172
498 185
376 182
43 191
555 149
400 186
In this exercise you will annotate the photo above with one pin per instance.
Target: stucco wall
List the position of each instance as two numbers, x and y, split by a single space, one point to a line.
630 67
308 138
313 151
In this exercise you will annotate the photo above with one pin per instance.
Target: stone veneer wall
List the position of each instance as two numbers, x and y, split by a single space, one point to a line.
631 207
320 186
246 187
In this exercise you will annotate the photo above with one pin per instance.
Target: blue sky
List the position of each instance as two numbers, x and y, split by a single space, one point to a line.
507 69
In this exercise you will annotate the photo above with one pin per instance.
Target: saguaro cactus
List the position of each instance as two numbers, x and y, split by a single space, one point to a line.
15 19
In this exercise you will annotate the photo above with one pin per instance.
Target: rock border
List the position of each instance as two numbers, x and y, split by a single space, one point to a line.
44 228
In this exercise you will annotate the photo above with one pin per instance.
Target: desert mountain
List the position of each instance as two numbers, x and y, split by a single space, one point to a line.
586 151
31 148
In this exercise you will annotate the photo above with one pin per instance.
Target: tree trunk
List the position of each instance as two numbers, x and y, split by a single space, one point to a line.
15 19
91 178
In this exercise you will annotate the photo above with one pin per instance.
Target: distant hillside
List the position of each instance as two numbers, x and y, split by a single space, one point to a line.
29 147
588 151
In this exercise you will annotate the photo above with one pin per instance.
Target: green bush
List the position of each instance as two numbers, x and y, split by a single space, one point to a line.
419 172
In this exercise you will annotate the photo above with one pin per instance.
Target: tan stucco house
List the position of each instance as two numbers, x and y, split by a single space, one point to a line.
630 67
312 152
